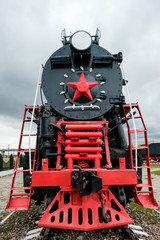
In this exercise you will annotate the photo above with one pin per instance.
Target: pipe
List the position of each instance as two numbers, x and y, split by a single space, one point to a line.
105 219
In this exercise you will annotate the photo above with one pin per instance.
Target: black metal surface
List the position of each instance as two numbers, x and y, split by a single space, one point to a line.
105 71
121 195
105 219
154 148
86 182
54 126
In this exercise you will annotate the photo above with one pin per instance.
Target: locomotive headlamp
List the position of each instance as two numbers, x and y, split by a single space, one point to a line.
81 40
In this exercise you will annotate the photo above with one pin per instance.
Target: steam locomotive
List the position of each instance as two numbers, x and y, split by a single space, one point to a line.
82 166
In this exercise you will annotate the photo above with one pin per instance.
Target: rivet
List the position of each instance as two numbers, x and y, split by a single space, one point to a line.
66 100
102 92
98 75
82 68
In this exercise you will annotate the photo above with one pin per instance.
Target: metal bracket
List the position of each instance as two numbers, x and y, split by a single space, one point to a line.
86 182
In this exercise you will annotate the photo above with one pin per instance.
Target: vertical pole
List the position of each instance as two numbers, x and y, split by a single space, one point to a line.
97 163
1 162
59 147
134 126
32 117
69 163
11 161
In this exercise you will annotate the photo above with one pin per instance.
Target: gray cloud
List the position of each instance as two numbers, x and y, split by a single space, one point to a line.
30 33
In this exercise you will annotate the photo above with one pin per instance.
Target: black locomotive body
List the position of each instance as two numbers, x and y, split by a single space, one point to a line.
82 165
65 79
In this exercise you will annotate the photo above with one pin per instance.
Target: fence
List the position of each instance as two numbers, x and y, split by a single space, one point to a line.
7 162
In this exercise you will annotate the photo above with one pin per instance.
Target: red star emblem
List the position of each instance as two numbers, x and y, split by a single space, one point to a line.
82 87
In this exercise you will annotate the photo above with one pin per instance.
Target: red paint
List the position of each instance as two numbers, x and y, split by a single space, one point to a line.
45 164
83 213
82 87
19 201
145 196
82 142
62 177
122 163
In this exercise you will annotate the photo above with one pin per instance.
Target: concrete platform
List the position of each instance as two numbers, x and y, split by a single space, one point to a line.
8 172
5 173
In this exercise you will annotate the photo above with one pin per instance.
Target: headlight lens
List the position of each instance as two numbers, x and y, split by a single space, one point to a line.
81 40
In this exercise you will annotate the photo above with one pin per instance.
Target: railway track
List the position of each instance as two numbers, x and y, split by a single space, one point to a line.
129 232
129 235
44 234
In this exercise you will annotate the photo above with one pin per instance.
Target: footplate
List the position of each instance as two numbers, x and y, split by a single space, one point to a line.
70 211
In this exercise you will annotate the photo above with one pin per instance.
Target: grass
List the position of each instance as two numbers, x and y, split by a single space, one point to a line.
147 215
17 221
156 172
155 166
6 162
137 206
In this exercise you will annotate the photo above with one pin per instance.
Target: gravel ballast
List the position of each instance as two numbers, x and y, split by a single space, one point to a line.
17 226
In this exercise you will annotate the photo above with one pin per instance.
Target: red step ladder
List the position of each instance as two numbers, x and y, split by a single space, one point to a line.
18 198
83 140
145 196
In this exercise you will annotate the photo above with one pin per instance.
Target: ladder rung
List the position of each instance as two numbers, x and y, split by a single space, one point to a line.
144 191
144 185
21 188
132 105
134 117
19 194
137 130
31 107
29 120
27 135
26 150
23 170
140 147
139 167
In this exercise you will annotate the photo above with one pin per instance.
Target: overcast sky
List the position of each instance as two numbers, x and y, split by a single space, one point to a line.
30 31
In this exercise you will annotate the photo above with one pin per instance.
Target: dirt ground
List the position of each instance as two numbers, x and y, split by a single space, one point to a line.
5 183
155 182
